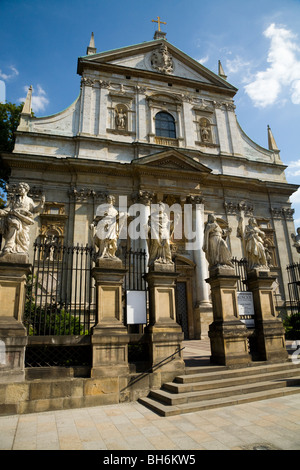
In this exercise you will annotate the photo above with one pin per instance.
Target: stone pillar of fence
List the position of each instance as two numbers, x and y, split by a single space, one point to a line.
228 335
164 334
14 269
269 334
109 336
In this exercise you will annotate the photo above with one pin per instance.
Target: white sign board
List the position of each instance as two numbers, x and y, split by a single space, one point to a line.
246 308
136 307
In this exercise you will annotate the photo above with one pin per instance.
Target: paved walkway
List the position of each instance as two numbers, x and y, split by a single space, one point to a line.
269 424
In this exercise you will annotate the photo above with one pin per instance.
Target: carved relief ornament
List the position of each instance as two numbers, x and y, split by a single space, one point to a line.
161 60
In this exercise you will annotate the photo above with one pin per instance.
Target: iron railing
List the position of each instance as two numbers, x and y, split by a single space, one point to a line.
293 271
60 295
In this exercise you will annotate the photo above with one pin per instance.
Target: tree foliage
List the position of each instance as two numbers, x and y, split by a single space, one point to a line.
9 121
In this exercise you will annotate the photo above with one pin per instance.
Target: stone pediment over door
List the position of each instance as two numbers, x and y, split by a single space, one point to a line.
173 163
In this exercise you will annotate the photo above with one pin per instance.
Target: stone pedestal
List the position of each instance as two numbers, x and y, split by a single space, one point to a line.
109 338
164 334
269 338
228 335
14 270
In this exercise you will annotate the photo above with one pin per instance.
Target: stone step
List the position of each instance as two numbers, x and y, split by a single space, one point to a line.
236 372
242 379
211 394
168 410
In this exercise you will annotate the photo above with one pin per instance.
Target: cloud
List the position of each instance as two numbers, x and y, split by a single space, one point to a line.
203 60
293 168
295 197
283 72
236 65
14 73
39 99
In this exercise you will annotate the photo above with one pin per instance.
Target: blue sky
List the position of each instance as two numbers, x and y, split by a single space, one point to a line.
257 41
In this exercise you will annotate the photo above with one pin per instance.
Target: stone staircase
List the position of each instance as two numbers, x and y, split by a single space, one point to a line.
203 388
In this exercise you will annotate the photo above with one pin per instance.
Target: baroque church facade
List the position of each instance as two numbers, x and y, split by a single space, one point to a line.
152 125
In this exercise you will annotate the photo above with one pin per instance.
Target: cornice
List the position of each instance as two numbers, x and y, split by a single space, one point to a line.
84 64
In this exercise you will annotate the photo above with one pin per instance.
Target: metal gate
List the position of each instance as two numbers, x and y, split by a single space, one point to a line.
293 271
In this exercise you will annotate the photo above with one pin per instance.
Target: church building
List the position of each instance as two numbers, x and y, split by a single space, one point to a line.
152 125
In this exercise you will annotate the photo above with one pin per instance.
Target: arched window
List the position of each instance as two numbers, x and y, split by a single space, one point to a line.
165 125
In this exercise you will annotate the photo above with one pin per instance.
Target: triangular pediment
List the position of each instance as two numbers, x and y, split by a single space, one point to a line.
172 160
149 57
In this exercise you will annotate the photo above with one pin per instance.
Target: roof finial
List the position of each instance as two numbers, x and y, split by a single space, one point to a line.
221 71
27 105
159 34
271 141
91 48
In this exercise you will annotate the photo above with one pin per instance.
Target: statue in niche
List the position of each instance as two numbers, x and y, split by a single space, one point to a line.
205 130
16 219
51 246
162 61
106 228
160 229
121 118
214 244
254 245
296 240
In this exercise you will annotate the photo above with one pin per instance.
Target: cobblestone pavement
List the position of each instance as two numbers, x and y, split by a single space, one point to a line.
268 424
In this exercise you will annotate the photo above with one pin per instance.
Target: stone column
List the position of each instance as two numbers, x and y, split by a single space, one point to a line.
269 332
203 306
14 269
109 337
228 335
164 334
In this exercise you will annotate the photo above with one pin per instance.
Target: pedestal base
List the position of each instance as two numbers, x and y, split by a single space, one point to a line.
13 334
110 352
269 337
228 335
164 334
109 336
229 343
269 341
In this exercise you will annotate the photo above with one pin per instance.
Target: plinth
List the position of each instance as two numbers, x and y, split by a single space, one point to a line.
228 335
109 336
164 334
269 335
14 269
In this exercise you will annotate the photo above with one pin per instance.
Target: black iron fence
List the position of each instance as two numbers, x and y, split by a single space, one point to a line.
240 267
60 292
293 271
60 295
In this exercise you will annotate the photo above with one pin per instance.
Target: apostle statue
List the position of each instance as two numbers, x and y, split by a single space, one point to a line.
214 244
121 119
16 219
254 245
106 228
160 229
296 240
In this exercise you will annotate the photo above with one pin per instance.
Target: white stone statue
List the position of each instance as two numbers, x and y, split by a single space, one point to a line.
106 228
214 244
296 240
254 245
160 229
16 219
121 119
